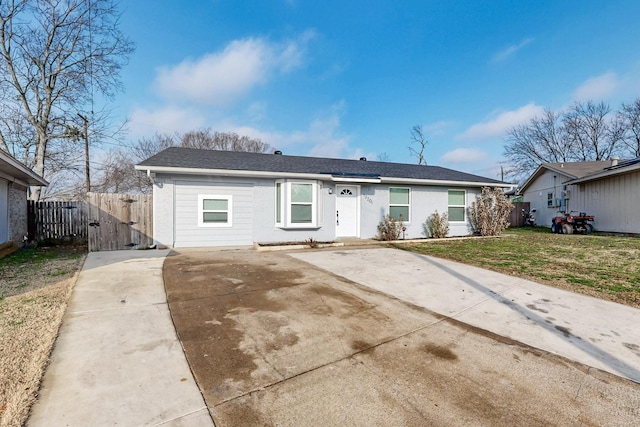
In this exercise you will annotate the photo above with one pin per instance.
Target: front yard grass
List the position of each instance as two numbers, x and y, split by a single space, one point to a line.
605 267
35 286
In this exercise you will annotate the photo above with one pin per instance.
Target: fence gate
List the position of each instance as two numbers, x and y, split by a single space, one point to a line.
515 218
120 221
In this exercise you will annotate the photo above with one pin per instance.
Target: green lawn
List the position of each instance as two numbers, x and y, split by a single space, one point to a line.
602 266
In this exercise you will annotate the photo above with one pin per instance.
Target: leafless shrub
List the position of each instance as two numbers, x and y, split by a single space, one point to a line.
390 228
437 226
489 214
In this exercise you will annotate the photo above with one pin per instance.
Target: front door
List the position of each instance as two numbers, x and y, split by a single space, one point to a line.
347 210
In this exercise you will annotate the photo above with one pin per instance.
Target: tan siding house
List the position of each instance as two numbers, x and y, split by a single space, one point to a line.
609 190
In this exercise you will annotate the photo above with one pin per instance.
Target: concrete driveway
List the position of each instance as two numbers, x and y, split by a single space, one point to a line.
274 340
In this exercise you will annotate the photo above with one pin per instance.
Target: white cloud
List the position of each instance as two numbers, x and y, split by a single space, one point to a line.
439 127
166 120
598 88
463 155
498 126
322 137
511 50
222 77
257 111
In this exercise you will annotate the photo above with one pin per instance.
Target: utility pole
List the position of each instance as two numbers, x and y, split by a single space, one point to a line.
85 135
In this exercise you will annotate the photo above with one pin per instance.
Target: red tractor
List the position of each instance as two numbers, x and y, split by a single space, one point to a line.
572 222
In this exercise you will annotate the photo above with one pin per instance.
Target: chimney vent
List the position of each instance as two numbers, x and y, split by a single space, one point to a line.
614 161
278 152
364 159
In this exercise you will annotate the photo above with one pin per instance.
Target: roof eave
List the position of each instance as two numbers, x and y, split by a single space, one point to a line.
19 173
229 172
605 174
317 176
453 183
539 171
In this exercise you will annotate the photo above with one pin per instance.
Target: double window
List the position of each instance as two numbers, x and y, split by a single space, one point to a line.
296 204
215 210
457 205
399 203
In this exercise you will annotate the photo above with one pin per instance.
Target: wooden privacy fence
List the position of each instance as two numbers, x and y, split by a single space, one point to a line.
120 221
515 217
106 221
48 220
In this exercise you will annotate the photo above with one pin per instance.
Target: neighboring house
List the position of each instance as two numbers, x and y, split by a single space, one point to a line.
225 198
609 190
15 178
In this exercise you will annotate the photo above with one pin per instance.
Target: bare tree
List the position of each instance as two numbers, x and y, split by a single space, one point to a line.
226 141
586 131
628 120
590 131
383 157
540 141
418 137
54 56
117 173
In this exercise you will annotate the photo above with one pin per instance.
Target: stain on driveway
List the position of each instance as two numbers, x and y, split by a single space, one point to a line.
275 341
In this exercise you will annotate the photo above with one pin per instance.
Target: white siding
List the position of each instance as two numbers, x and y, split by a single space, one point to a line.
176 211
163 231
425 200
537 191
614 202
265 229
187 231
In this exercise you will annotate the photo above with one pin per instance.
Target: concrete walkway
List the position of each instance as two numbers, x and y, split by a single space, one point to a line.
597 333
117 359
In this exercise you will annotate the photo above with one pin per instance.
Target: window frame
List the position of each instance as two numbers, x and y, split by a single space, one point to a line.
202 210
463 206
408 204
279 204
551 203
286 203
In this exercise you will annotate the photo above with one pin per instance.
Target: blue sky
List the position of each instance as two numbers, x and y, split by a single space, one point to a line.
349 79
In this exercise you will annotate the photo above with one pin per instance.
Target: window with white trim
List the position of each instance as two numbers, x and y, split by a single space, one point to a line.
399 203
457 205
296 204
214 210
279 200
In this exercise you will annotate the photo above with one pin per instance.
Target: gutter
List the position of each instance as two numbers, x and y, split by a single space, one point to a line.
151 170
13 179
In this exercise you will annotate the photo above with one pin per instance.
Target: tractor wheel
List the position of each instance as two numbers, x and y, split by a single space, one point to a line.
589 228
554 228
567 229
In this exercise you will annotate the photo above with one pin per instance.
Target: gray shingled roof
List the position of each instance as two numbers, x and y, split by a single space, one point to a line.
578 169
176 157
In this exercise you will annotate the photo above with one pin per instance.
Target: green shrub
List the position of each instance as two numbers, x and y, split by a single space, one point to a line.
489 214
437 226
390 228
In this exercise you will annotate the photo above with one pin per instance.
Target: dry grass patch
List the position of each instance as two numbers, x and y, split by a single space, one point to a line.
39 284
605 267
